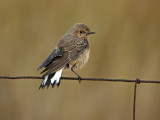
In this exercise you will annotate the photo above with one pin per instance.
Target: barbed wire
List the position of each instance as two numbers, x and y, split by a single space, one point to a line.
88 79
136 81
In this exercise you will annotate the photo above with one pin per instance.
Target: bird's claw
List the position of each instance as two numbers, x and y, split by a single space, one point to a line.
79 78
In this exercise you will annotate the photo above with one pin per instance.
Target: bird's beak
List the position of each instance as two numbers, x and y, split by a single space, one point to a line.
90 33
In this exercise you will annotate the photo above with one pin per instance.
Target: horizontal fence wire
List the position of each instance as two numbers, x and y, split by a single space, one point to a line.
88 79
136 81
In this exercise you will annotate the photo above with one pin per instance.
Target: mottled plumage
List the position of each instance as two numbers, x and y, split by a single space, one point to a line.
72 51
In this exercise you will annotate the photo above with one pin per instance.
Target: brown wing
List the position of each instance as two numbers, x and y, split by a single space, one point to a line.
57 64
70 53
56 53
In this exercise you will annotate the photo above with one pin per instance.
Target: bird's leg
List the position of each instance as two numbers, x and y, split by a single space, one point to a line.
79 77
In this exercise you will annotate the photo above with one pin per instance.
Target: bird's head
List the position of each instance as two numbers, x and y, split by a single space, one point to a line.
80 30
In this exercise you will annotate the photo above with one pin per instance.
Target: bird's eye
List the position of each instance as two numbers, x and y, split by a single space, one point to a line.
81 31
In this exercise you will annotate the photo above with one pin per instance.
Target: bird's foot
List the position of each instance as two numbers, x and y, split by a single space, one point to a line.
79 78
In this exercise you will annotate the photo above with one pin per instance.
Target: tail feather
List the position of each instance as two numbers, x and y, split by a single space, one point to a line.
51 79
58 83
43 84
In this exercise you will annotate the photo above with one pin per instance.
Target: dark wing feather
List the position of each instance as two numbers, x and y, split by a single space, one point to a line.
60 62
57 64
56 53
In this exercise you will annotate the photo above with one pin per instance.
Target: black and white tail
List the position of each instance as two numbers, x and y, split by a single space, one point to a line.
52 79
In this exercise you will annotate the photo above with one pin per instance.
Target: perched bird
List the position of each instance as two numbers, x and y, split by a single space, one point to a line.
72 52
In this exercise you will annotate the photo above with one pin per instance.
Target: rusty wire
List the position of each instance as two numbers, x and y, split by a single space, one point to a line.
136 81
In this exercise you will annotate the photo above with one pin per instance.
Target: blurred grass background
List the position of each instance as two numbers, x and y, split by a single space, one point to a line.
126 45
